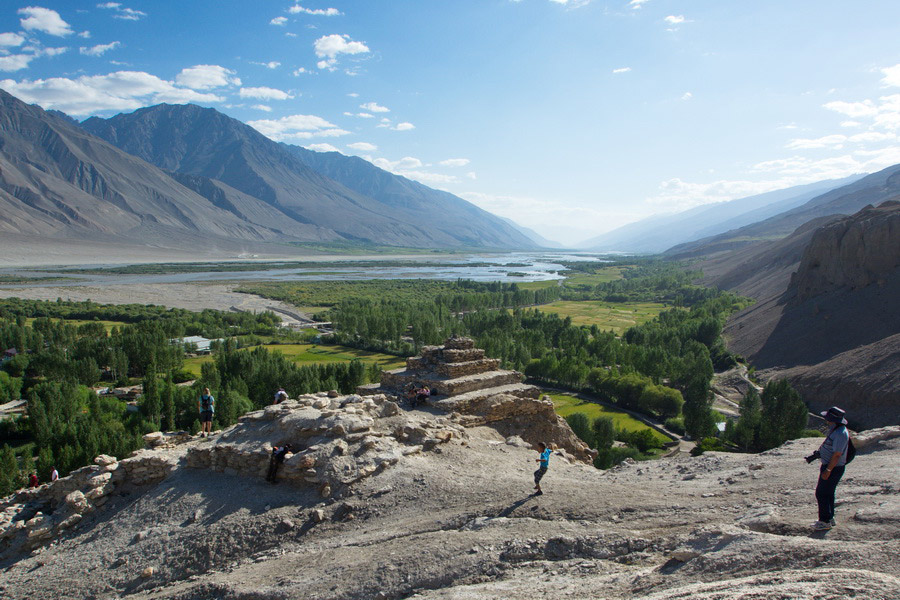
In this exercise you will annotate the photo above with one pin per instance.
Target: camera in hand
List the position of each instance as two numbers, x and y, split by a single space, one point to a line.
814 456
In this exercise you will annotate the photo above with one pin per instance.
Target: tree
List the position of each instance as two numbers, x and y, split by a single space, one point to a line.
10 478
604 433
581 427
747 429
151 403
784 415
169 403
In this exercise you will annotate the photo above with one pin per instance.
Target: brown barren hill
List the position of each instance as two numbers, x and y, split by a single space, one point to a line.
832 327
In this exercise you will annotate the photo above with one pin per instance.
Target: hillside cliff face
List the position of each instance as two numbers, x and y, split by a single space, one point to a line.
836 317
851 253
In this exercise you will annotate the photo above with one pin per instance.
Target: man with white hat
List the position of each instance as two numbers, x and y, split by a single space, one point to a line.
833 454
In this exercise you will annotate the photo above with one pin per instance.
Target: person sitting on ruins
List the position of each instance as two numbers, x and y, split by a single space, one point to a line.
33 480
278 455
280 396
422 395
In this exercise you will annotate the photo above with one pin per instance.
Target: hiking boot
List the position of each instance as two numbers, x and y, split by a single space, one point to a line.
822 526
539 493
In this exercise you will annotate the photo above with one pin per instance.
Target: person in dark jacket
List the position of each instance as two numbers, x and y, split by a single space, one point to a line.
278 455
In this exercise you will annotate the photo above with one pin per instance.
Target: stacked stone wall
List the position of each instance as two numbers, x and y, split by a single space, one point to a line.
33 517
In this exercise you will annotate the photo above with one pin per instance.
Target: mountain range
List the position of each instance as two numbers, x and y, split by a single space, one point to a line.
661 232
168 173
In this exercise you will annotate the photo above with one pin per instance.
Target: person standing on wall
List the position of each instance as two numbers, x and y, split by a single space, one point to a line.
833 457
206 404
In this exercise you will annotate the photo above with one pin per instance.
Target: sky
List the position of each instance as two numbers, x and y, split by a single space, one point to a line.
571 117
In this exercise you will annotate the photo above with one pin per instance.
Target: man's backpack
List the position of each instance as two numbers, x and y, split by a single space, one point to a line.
851 451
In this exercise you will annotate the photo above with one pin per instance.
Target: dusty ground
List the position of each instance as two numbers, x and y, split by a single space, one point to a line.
461 524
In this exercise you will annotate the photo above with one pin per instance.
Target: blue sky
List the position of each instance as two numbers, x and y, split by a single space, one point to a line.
570 117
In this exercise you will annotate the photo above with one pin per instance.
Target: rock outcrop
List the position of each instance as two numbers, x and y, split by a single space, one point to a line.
464 382
833 328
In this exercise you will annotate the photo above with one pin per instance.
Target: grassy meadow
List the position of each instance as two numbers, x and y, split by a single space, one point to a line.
566 405
615 316
312 353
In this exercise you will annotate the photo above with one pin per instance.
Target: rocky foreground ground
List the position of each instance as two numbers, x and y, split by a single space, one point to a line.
385 503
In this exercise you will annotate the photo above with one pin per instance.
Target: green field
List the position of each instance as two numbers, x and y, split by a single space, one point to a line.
566 405
576 278
312 353
615 316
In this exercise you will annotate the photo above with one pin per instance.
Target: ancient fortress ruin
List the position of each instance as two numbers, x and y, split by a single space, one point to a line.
338 440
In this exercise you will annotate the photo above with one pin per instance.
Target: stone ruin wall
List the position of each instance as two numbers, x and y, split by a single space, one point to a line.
338 441
33 517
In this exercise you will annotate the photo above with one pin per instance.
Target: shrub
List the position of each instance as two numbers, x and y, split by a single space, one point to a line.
711 444
604 433
610 457
675 424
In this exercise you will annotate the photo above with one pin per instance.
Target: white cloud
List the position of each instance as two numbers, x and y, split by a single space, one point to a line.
572 3
264 93
636 4
363 146
100 49
330 47
403 126
53 51
851 124
324 12
353 95
278 21
404 164
85 34
44 19
297 127
299 71
622 70
854 110
835 141
87 95
455 162
687 96
321 148
274 64
262 107
15 62
127 14
674 19
206 77
10 40
374 107
891 76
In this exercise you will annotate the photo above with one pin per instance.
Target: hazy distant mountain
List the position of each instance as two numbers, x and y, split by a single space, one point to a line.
351 197
534 235
658 233
57 181
845 200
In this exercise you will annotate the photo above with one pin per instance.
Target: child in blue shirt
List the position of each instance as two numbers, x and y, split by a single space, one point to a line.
544 461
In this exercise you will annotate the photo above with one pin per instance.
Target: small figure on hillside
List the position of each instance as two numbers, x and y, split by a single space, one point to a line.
833 456
544 464
33 480
422 395
278 455
206 404
54 475
280 396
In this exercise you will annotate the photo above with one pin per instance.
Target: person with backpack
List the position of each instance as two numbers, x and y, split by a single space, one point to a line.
833 455
206 404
